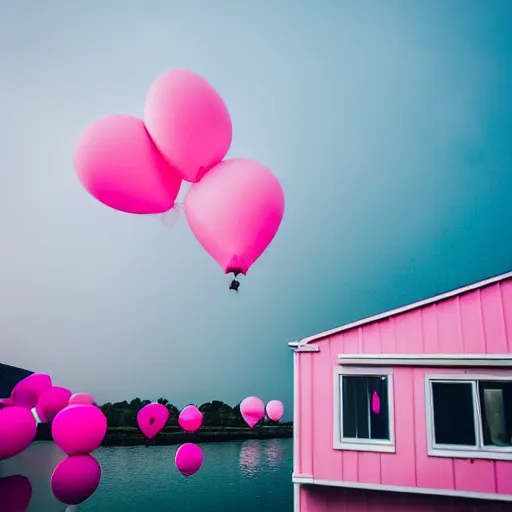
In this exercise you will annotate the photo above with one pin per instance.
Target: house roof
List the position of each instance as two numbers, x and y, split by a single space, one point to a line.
400 310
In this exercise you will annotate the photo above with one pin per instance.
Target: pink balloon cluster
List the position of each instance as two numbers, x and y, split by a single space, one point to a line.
253 410
234 207
152 419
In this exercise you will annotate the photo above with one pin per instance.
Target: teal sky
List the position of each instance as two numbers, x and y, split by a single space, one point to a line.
389 125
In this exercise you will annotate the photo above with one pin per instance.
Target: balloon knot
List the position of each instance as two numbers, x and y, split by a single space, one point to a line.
200 173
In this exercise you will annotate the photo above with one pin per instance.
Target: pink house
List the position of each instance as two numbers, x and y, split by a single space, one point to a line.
417 400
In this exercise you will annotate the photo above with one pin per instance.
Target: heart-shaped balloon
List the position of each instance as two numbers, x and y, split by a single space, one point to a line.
152 419
189 122
18 429
235 212
253 410
118 164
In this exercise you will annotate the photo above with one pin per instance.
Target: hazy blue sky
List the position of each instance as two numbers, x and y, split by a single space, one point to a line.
388 123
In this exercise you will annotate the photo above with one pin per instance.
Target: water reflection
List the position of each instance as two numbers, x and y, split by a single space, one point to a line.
250 457
136 479
274 453
15 493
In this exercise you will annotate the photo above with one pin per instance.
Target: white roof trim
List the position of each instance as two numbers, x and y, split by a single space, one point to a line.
409 307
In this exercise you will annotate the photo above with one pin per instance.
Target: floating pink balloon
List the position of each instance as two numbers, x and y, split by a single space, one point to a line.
51 401
275 410
190 418
235 212
15 493
119 165
189 459
253 410
79 429
189 122
27 391
375 403
75 479
18 429
82 399
152 419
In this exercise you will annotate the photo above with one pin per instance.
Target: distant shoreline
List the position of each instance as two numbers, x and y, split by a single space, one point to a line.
131 436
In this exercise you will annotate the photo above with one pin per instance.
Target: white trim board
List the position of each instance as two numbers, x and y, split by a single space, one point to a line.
403 489
409 307
432 360
355 444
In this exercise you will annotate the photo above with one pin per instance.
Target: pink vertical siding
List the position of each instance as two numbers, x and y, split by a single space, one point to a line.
318 499
477 322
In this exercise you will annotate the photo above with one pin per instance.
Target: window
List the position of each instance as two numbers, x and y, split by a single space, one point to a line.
363 410
470 417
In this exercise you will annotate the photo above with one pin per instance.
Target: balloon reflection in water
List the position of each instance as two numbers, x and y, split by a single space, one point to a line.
75 479
250 457
273 452
15 493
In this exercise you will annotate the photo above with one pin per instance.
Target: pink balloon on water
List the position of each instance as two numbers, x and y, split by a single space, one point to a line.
152 419
82 399
275 410
189 122
75 479
52 401
15 493
119 165
253 410
190 418
18 429
189 459
79 429
27 391
235 212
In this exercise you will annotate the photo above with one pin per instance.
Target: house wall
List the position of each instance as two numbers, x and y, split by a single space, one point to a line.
478 322
331 499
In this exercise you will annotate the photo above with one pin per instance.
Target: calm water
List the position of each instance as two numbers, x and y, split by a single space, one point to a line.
249 475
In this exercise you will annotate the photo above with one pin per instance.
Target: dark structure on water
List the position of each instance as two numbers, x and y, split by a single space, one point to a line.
9 377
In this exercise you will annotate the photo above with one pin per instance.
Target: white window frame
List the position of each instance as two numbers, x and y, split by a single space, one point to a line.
362 445
479 451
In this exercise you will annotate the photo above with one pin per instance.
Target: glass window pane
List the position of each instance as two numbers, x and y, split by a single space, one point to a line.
496 405
453 413
359 421
379 423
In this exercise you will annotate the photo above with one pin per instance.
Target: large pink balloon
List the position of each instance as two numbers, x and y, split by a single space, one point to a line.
119 165
253 410
51 401
189 122
27 391
190 418
189 459
15 493
152 419
18 429
275 410
79 429
235 212
75 479
82 399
